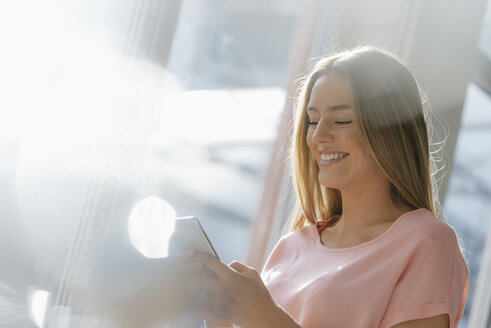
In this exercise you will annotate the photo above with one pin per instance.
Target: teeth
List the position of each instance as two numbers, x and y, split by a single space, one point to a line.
328 157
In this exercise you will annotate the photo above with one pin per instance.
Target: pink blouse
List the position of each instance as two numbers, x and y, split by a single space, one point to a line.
414 270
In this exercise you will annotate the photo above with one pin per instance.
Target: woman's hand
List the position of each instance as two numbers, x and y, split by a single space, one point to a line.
236 294
148 292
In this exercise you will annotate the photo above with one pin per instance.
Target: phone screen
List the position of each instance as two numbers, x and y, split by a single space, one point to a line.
188 233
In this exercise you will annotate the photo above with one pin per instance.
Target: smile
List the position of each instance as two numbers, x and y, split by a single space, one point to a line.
331 156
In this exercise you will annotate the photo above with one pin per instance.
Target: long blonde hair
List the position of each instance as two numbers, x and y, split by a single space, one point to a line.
391 122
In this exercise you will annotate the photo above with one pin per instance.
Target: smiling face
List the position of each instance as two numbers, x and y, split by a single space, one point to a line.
332 138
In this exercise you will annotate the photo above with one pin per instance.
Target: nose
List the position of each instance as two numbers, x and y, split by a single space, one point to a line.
322 133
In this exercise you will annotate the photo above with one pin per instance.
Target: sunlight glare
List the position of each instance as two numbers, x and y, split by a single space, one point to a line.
150 226
39 301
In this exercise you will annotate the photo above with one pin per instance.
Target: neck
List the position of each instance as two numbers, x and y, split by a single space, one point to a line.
366 207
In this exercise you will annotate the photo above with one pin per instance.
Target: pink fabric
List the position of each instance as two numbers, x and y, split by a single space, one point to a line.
414 270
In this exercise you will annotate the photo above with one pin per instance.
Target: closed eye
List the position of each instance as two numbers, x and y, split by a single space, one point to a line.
343 122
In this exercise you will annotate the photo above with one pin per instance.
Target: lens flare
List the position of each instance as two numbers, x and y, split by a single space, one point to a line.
150 226
39 302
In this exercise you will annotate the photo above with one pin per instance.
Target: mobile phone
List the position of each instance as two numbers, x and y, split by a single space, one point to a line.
188 233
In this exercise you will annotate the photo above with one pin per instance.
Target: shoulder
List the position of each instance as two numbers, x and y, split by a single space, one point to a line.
425 240
420 233
289 247
433 276
297 237
422 225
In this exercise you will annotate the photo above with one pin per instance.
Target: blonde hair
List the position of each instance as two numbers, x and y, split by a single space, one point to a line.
391 122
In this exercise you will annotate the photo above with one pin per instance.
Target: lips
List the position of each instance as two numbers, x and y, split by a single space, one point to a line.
331 158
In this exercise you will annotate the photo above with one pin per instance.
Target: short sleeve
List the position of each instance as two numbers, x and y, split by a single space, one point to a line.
434 281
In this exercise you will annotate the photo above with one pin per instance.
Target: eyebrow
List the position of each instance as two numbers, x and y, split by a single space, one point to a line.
332 108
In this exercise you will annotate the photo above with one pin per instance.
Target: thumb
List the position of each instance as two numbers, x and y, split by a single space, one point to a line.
241 267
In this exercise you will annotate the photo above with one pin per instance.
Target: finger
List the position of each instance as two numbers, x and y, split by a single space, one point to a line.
193 267
242 268
196 266
201 282
215 322
205 291
185 265
185 256
216 266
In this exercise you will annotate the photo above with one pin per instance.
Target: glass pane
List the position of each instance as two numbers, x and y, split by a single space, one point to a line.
485 39
467 204
120 116
231 59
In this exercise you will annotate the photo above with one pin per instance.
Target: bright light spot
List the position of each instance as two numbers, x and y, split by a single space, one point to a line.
214 108
39 301
304 285
272 274
150 226
340 267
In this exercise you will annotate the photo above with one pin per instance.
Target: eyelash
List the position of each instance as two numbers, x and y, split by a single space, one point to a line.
336 122
343 122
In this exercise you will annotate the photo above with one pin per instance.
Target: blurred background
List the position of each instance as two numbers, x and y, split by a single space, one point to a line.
117 116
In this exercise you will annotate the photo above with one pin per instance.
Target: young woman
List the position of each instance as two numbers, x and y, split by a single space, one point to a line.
366 247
